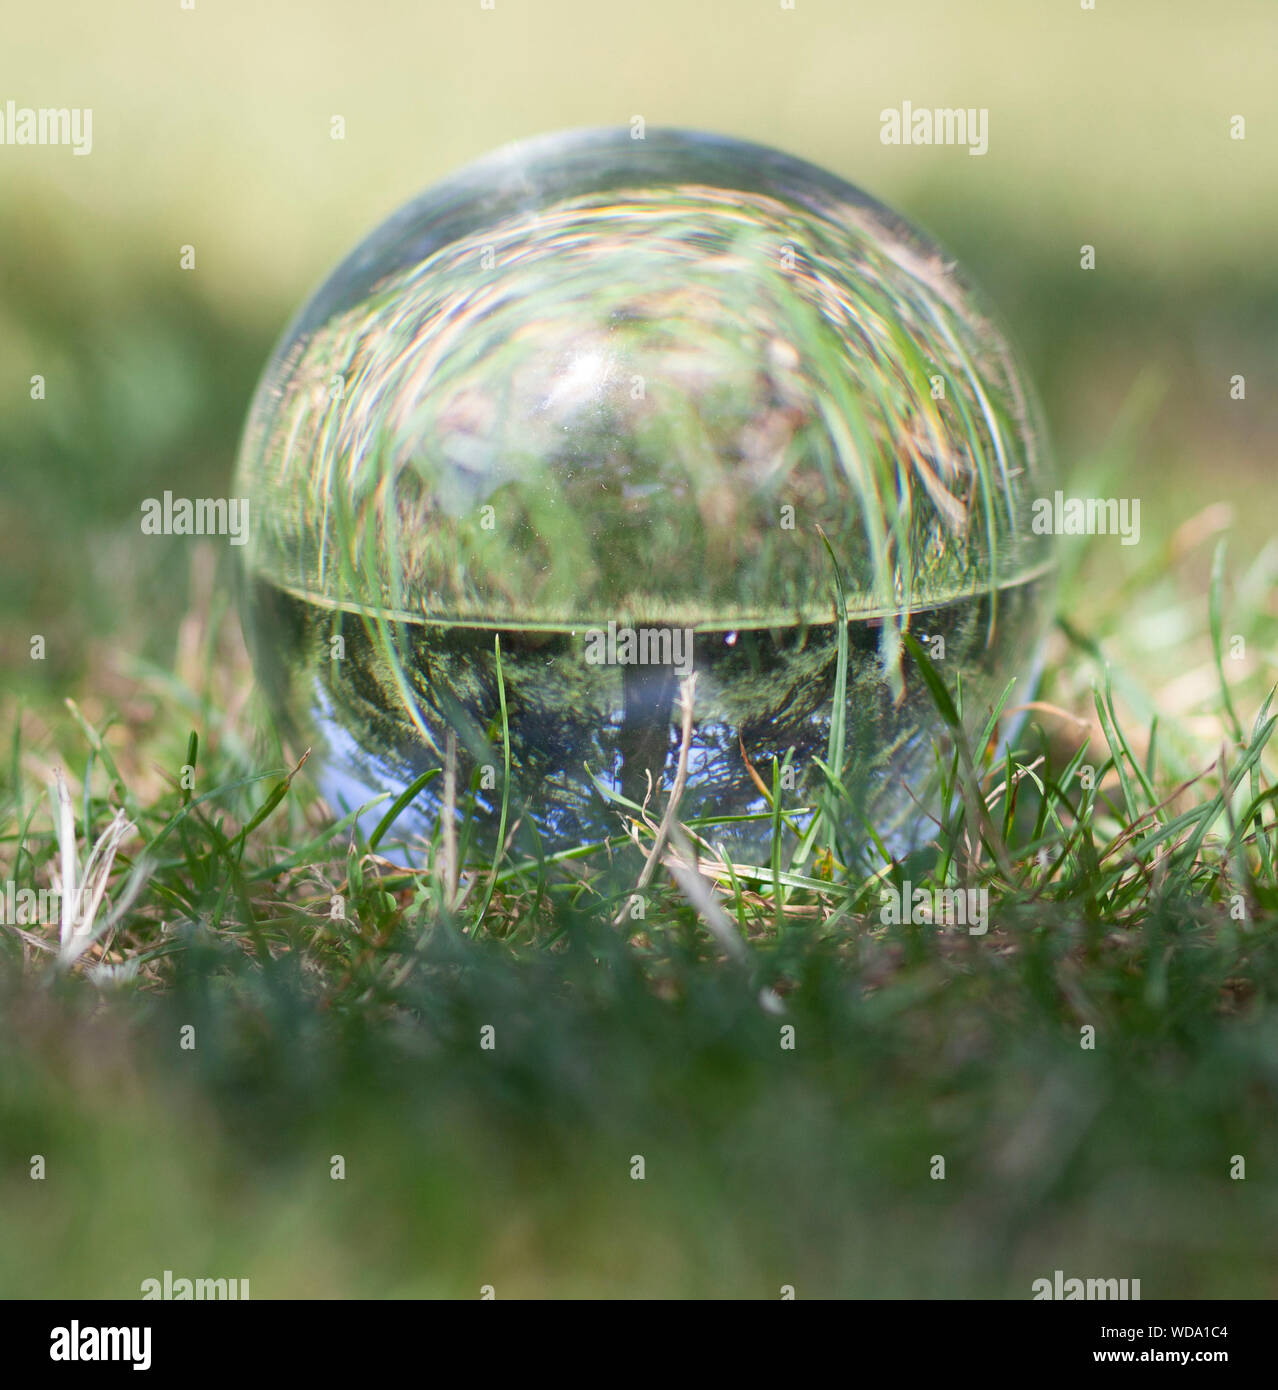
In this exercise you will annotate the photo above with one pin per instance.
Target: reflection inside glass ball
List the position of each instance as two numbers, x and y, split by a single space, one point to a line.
601 426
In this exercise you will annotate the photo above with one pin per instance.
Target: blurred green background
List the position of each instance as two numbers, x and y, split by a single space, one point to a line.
212 129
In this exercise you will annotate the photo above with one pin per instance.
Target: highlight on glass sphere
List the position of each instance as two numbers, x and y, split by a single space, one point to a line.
601 431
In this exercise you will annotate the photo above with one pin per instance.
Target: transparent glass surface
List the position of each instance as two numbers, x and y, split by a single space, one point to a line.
598 413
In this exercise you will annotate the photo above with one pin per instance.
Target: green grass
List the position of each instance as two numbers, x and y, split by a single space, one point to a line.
1140 906
765 1167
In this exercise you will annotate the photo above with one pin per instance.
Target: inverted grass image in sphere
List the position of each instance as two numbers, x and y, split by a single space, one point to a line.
598 413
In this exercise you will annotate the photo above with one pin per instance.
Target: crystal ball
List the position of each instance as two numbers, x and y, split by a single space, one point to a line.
611 454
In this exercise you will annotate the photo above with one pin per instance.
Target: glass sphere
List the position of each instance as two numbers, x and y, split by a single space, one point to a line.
600 414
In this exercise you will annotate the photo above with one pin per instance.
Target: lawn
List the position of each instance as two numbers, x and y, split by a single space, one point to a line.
428 1096
484 1073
